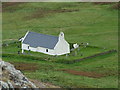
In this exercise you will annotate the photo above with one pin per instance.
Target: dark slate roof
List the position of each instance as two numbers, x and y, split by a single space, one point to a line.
40 40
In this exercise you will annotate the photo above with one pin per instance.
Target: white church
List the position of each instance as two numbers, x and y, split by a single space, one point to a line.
47 44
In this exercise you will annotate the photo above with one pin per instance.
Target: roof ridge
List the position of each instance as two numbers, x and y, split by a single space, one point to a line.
43 34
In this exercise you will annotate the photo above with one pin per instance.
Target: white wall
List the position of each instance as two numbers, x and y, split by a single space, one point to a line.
38 49
32 49
62 47
24 46
43 50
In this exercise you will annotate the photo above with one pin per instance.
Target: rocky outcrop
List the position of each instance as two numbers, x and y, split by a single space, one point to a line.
12 78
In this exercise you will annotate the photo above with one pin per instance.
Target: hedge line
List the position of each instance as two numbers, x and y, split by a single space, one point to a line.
22 56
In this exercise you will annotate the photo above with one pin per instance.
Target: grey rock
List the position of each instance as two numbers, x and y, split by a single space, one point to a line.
15 76
32 84
4 84
10 85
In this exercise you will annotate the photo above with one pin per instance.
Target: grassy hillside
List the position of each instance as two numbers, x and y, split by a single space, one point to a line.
81 22
96 24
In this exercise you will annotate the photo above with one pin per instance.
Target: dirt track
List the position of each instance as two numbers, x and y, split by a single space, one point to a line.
7 4
83 73
25 66
41 13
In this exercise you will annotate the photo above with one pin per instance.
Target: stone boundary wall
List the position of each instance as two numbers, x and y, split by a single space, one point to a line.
92 56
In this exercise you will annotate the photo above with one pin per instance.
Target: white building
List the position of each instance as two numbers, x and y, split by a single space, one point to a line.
47 44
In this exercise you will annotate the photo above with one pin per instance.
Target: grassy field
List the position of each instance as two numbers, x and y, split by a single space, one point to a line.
81 22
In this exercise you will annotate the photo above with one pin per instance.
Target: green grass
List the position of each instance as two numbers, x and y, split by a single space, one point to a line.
95 24
47 72
90 24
